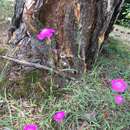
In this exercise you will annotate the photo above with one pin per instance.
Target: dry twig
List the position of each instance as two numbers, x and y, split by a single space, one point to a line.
36 65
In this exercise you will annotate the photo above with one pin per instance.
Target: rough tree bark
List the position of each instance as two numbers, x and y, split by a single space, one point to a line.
82 27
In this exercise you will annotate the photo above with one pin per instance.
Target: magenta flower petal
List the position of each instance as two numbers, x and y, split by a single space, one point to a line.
40 37
45 33
119 100
59 116
119 85
30 127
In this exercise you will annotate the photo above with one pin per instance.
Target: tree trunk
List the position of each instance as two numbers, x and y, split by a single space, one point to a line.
81 27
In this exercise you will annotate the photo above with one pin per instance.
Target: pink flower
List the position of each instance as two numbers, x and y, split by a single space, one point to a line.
59 116
119 85
45 33
119 100
30 127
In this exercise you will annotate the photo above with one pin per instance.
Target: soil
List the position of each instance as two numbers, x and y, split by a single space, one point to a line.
121 33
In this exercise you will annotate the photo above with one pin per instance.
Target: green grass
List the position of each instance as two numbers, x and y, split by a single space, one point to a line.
88 102
6 9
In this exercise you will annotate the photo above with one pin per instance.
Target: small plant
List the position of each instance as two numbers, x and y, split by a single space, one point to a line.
119 86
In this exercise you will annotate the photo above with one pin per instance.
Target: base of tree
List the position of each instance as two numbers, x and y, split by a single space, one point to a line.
81 29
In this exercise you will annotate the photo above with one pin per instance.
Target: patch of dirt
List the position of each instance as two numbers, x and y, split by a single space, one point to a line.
121 33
